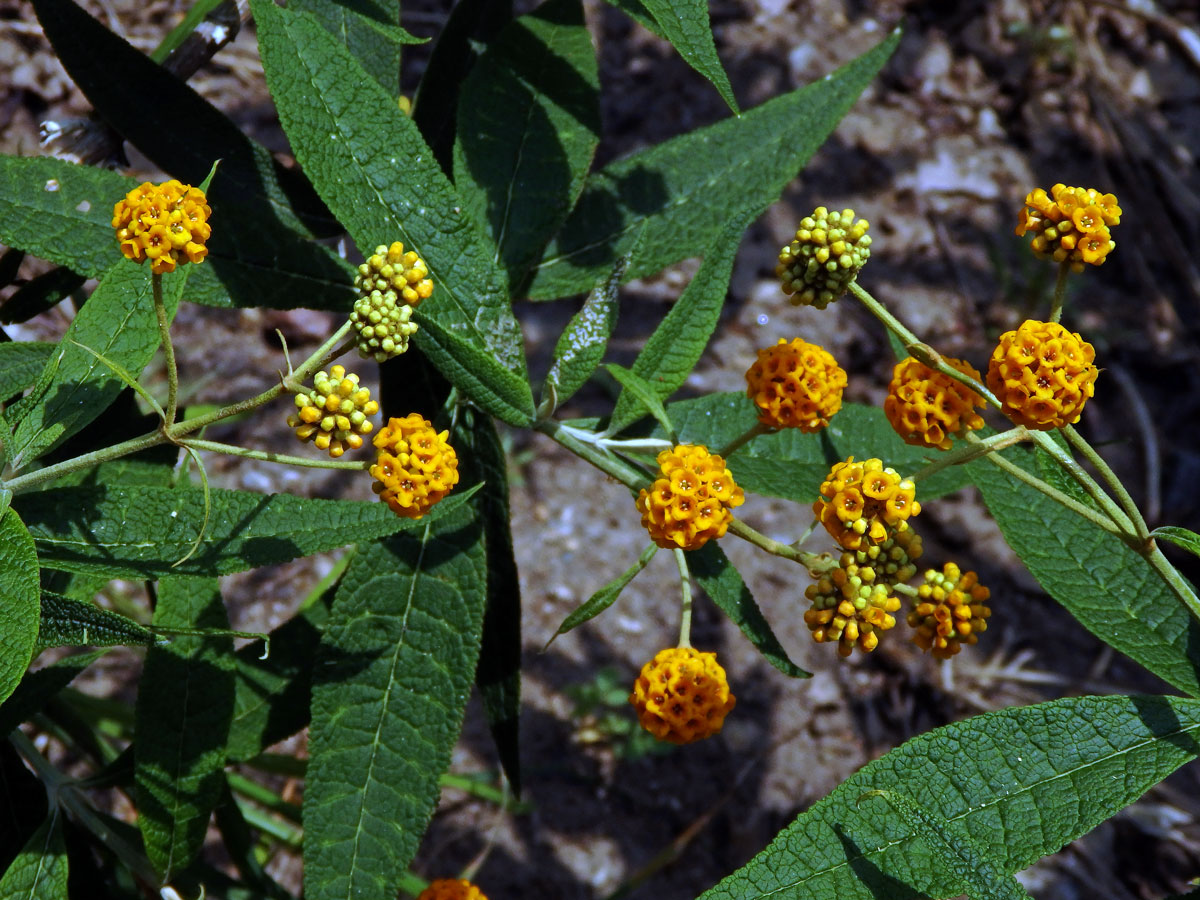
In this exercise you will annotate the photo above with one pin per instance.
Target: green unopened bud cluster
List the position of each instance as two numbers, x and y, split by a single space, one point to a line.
333 415
390 283
891 563
830 247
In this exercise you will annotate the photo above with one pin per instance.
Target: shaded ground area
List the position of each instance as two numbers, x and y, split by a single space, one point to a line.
982 102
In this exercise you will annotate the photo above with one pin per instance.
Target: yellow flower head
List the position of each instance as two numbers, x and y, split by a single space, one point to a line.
682 695
1070 224
851 605
830 247
451 889
164 223
333 415
951 611
864 503
796 385
928 408
1042 374
689 503
390 284
414 467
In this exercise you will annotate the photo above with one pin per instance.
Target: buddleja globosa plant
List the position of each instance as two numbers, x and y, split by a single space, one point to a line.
486 193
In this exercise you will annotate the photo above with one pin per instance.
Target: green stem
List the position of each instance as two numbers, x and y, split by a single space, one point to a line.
164 333
1085 481
631 477
751 434
284 832
685 603
1060 291
270 456
1076 440
1169 574
964 453
264 797
745 532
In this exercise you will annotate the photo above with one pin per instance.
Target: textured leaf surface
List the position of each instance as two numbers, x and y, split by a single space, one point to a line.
681 187
1023 781
1111 590
371 165
19 589
75 387
260 252
140 532
581 346
40 870
606 596
21 362
1181 537
723 583
36 688
528 126
389 689
672 351
369 30
185 702
67 622
640 396
686 25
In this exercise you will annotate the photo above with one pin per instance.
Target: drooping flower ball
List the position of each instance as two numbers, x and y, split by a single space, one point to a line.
951 610
928 408
796 384
818 265
682 695
1042 374
863 503
415 466
334 413
688 504
391 283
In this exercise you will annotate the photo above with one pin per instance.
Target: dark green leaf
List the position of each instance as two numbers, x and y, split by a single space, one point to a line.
1110 589
606 596
19 611
10 265
185 702
40 295
40 870
75 387
723 583
639 395
713 420
37 688
528 126
390 685
371 165
672 351
1181 537
141 532
66 622
681 187
1023 781
20 364
685 24
369 30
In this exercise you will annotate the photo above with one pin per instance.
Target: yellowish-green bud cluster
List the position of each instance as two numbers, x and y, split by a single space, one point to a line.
951 611
892 562
333 415
830 247
390 283
851 609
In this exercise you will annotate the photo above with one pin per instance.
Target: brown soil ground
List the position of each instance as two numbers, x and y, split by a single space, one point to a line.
983 101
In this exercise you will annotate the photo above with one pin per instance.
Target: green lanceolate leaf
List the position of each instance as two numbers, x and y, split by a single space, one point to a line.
19 609
582 344
686 25
41 294
1110 589
1181 537
723 583
370 31
1023 781
40 870
260 252
184 705
390 685
67 622
714 420
606 596
20 364
528 126
36 688
371 165
681 187
639 395
672 351
499 672
141 532
118 323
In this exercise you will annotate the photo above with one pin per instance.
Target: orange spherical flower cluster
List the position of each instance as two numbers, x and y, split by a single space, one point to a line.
682 695
927 408
688 504
451 889
850 605
829 248
1042 374
333 415
951 611
865 503
1070 224
796 385
414 467
164 223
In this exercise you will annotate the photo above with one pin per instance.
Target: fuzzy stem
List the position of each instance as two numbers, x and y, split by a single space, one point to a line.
964 453
1175 581
757 429
269 456
164 333
775 548
1076 440
685 603
1060 291
611 465
1085 481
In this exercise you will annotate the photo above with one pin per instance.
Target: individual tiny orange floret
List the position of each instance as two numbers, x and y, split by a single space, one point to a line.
164 223
928 408
682 695
451 889
1042 374
796 385
688 504
951 611
1070 224
864 503
415 466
